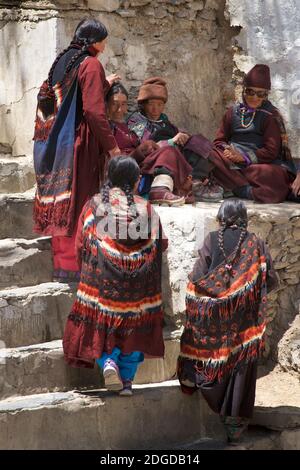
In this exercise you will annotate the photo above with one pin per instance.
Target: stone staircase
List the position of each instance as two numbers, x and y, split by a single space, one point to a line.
45 404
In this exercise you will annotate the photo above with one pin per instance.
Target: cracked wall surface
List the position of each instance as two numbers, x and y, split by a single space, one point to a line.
270 34
190 42
186 41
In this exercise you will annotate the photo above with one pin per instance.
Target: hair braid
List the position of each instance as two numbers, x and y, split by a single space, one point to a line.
231 259
85 43
130 200
221 238
236 252
50 74
105 197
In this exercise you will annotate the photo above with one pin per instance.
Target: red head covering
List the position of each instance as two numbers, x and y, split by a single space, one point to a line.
258 77
153 88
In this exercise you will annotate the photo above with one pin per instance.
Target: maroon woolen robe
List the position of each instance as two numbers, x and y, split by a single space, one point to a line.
166 156
270 183
94 139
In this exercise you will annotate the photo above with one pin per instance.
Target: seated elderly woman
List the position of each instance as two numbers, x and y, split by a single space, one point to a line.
251 154
150 122
168 167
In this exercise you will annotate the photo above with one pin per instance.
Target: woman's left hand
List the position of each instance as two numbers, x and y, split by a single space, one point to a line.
114 77
296 185
233 155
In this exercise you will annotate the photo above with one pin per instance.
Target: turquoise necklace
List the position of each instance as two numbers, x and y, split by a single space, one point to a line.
245 126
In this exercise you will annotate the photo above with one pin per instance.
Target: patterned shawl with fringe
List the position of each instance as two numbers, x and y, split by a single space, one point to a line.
119 301
53 152
225 322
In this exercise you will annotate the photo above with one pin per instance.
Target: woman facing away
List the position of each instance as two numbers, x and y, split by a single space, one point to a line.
251 154
72 141
150 122
226 307
165 164
117 316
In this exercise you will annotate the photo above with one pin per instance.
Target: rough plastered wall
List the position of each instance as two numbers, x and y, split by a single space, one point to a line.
270 34
186 41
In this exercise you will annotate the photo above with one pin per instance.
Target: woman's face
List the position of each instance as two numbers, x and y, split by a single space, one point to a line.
255 97
153 108
100 45
117 107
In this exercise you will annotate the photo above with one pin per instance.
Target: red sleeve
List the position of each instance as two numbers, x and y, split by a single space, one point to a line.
93 86
272 141
224 131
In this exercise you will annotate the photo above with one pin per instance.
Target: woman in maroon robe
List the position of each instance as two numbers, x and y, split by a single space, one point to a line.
150 121
64 186
166 164
251 155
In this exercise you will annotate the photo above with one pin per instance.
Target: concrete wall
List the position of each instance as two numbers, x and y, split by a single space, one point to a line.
270 34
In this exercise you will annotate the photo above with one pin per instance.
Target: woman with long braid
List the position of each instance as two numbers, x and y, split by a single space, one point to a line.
226 306
73 140
117 316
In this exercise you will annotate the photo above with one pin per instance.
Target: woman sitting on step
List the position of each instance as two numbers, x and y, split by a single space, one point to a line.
226 311
117 316
150 122
251 154
167 165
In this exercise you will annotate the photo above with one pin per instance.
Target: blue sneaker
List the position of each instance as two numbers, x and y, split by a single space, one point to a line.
127 389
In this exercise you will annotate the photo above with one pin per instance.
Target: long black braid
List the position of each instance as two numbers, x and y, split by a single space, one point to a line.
232 213
50 74
88 31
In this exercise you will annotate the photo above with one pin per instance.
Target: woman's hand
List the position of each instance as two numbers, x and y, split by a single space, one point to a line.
181 138
296 185
114 152
148 146
113 78
233 155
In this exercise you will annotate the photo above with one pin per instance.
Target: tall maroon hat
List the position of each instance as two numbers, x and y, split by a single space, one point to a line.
258 77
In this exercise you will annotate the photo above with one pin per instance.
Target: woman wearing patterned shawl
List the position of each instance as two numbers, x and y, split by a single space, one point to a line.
226 306
72 141
251 154
117 316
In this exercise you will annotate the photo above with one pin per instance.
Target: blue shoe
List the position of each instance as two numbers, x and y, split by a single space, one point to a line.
127 389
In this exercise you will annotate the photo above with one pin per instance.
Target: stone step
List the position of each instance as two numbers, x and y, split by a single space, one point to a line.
25 262
156 416
34 314
16 174
41 368
254 438
16 215
277 403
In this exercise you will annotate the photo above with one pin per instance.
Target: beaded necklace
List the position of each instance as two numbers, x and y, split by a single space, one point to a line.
245 126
